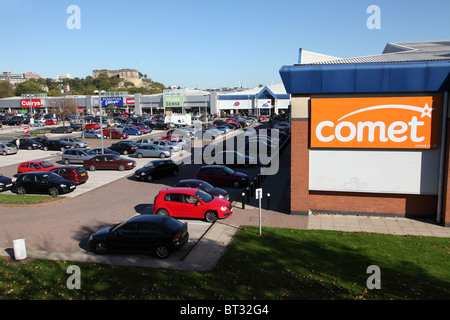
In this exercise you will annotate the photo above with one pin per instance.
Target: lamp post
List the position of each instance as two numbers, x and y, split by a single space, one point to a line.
101 113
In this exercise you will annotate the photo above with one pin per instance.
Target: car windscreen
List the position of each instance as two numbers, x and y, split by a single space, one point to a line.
203 196
45 164
228 170
149 165
206 186
52 176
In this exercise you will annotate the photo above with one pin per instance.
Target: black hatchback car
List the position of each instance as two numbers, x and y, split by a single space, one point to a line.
43 182
28 143
203 185
124 147
157 169
5 183
53 144
145 233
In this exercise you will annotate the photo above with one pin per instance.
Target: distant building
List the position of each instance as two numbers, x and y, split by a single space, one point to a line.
67 76
15 78
127 74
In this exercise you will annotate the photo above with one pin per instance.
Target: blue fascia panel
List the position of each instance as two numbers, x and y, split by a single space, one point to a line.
361 78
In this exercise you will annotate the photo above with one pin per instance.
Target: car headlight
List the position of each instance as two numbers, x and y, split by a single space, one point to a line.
223 208
63 185
143 173
130 163
221 196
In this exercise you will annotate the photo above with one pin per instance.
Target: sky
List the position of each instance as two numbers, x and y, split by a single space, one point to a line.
204 43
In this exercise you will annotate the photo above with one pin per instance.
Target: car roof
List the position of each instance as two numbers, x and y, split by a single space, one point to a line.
180 189
36 172
152 218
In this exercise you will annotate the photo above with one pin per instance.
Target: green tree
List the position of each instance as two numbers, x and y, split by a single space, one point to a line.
6 89
27 87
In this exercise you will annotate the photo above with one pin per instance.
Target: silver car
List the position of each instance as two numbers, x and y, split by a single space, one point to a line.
8 148
167 144
75 142
145 141
77 155
92 134
153 151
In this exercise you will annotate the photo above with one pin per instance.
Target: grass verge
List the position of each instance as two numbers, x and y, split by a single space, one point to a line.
25 199
282 264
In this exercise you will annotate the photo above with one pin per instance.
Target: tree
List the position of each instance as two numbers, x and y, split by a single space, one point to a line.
65 107
6 89
28 87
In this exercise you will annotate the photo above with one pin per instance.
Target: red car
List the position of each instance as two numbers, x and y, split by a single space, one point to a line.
92 126
50 122
34 166
191 203
172 137
113 134
108 161
76 174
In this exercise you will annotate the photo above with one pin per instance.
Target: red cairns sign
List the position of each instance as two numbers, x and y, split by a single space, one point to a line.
35 103
129 100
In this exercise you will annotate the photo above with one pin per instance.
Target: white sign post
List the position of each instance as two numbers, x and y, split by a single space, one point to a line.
258 193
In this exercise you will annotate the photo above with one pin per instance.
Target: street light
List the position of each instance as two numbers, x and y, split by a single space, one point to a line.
101 112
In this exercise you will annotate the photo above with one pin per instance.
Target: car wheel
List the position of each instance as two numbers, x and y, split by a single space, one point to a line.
21 190
125 152
211 216
175 173
149 178
29 147
91 167
67 162
162 212
62 149
121 167
45 148
140 155
4 153
101 247
162 251
162 155
53 191
236 184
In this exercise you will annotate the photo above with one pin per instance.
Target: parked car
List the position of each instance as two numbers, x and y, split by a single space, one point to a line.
222 176
224 129
153 151
144 233
29 166
132 131
43 182
91 134
5 183
53 144
92 126
124 147
76 126
158 125
191 203
157 169
37 123
27 143
8 148
105 151
77 174
167 144
204 186
74 141
144 128
108 161
77 155
62 130
114 134
233 158
144 141
282 126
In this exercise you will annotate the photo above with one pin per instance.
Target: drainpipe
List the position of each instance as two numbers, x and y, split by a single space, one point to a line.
442 157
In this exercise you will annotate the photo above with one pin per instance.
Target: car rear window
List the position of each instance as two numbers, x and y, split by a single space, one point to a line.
172 224
80 170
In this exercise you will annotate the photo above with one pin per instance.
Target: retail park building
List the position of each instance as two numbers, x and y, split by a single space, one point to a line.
370 135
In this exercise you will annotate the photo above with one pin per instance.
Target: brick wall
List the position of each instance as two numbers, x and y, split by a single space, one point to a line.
299 167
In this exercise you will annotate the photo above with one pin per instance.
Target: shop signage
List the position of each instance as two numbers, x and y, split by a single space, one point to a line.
377 122
129 101
115 101
35 103
172 101
264 103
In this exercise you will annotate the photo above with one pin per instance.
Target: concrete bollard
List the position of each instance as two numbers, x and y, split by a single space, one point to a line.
20 251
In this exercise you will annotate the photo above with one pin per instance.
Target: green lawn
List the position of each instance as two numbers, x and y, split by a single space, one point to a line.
25 199
280 264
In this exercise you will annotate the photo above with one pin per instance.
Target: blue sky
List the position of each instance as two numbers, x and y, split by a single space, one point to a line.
207 43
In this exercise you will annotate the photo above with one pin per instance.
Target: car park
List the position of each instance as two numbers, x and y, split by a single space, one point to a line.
144 233
76 126
28 143
5 183
167 144
91 134
153 151
75 142
157 169
144 128
53 144
158 125
43 182
222 176
8 148
77 174
204 186
105 151
233 158
191 203
124 147
77 155
29 166
108 161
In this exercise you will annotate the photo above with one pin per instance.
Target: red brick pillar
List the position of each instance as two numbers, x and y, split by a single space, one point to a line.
445 218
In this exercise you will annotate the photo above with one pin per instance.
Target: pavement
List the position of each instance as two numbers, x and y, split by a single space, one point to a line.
213 244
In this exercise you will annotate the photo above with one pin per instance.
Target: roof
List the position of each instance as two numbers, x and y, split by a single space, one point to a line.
400 52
